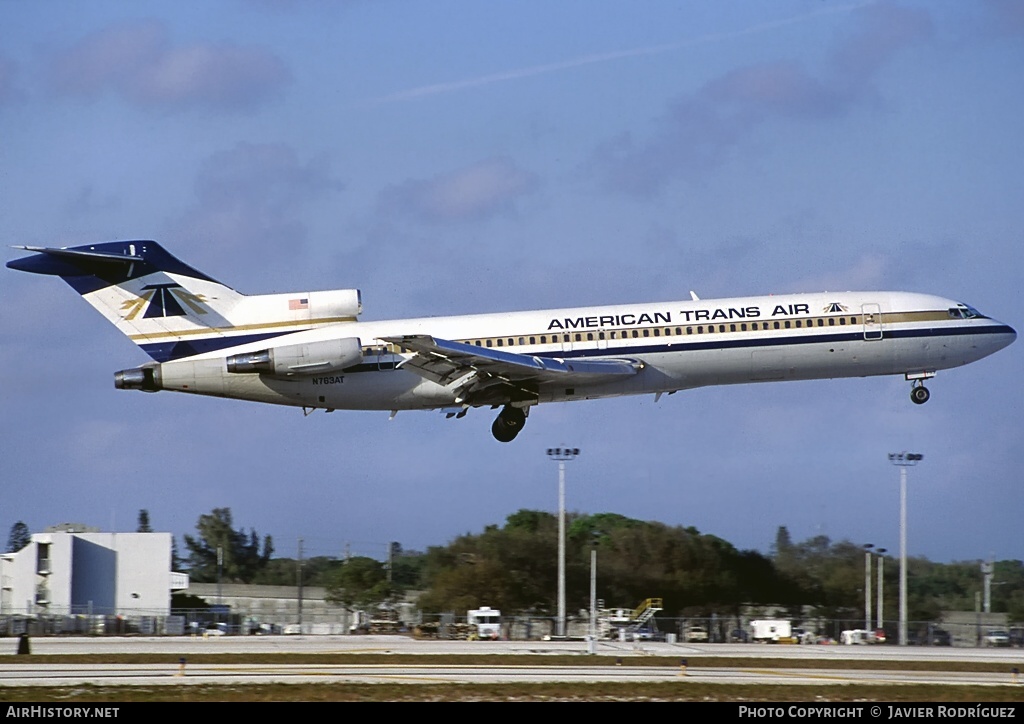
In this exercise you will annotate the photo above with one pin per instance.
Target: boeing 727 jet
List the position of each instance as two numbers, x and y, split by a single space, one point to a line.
310 349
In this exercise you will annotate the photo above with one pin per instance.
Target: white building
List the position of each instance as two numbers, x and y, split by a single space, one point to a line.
66 573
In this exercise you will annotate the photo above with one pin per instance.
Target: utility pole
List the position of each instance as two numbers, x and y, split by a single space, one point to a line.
903 460
298 575
867 586
987 571
561 455
881 564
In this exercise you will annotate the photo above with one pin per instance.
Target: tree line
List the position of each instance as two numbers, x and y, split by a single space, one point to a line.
513 567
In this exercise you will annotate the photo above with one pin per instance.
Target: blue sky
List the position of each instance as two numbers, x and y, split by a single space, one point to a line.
460 157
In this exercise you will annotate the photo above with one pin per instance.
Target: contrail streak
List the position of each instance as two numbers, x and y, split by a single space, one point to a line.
452 86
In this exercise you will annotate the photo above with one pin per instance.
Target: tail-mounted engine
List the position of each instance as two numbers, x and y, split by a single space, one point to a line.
299 359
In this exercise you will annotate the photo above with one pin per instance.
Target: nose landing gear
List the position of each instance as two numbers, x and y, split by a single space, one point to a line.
919 394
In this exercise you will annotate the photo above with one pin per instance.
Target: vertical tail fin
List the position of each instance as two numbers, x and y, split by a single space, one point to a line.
172 310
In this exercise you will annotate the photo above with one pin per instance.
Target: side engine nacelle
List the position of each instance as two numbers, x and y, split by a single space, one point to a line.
299 359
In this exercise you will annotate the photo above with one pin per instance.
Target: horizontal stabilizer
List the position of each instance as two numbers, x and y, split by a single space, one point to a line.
111 262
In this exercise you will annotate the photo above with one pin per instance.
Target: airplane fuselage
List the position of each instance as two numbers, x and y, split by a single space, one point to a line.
681 345
309 349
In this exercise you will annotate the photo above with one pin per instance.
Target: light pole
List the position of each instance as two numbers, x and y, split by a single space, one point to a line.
562 455
867 586
592 638
987 568
881 565
904 460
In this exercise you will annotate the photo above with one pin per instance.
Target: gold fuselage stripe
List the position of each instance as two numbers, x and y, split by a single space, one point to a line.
228 331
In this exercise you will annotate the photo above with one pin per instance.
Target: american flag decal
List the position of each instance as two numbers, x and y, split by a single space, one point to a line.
294 304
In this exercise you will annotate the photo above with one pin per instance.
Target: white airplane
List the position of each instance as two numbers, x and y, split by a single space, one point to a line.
308 349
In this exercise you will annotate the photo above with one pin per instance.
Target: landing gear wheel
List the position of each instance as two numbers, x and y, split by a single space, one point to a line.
920 394
508 424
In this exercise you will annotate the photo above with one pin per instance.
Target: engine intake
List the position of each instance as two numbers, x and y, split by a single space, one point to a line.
299 359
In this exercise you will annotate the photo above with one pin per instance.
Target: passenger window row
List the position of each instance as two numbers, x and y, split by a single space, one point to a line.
651 332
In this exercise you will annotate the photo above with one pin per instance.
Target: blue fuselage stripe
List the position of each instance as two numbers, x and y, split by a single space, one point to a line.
179 349
168 351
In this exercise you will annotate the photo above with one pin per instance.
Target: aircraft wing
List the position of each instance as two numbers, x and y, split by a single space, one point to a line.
482 375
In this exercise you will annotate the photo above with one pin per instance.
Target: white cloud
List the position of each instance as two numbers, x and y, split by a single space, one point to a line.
474 192
137 62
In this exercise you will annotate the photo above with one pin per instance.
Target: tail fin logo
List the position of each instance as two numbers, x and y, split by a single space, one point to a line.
163 300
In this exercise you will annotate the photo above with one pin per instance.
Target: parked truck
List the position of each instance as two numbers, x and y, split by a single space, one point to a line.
487 621
771 630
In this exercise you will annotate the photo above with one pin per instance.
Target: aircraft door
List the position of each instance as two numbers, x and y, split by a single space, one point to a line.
566 339
872 315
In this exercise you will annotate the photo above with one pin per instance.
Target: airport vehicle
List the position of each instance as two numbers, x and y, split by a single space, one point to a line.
804 636
862 636
929 637
309 349
696 633
770 630
940 637
487 621
996 637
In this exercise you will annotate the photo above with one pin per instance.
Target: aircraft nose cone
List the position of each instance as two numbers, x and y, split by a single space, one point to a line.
1009 334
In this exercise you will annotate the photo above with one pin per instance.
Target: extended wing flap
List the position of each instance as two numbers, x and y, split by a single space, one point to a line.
476 369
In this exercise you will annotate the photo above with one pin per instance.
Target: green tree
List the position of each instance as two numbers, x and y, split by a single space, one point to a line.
285 571
515 568
143 524
360 582
219 551
176 563
19 537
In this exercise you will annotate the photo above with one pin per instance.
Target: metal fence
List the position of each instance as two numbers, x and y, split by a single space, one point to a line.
448 626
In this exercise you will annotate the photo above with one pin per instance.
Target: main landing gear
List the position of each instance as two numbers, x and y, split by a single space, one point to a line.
508 423
919 394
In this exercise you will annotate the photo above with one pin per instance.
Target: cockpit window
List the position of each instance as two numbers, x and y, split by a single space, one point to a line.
965 311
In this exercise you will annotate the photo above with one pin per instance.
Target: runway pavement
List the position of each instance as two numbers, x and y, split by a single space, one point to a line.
184 645
14 673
